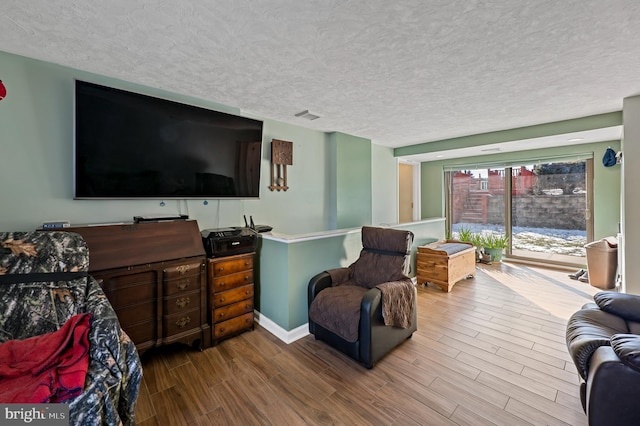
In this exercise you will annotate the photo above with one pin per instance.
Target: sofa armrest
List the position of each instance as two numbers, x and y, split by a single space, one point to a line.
627 348
587 330
623 305
612 390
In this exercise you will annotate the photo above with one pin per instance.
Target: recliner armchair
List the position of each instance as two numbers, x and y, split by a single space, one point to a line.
603 339
369 308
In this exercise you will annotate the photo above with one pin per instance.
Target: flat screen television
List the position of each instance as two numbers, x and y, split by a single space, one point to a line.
129 145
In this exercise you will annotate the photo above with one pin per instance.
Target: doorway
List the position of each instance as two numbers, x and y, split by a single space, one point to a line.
407 186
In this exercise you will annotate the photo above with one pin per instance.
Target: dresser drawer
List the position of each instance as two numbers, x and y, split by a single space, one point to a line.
230 266
232 296
181 270
180 322
128 290
233 325
181 285
141 332
227 282
231 311
181 302
133 314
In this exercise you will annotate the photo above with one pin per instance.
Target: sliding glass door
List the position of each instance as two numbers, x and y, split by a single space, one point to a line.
551 218
543 206
477 201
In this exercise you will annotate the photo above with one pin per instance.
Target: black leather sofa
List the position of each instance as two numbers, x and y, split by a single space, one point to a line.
603 339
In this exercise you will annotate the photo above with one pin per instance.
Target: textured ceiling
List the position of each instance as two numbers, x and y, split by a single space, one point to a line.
396 72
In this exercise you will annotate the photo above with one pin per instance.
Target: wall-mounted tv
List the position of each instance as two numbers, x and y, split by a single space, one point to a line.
129 145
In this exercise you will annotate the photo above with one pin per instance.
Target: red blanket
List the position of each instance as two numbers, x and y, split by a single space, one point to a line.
46 368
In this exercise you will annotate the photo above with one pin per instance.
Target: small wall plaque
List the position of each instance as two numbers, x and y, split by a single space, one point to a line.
281 157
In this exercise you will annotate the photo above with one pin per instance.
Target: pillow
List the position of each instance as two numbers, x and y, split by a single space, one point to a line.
623 305
372 269
627 347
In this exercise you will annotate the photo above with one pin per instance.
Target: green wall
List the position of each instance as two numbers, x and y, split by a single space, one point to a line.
36 119
606 209
352 168
384 188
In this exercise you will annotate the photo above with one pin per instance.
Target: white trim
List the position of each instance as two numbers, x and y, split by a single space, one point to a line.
283 238
417 201
287 336
290 239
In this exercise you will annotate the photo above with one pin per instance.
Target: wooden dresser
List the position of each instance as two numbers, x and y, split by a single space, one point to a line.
154 276
230 295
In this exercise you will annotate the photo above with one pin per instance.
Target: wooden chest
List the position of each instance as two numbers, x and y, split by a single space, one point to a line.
445 263
230 282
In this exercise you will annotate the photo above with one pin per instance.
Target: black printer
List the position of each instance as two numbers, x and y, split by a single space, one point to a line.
220 242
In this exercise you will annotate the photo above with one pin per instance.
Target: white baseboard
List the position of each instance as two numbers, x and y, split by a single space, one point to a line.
287 336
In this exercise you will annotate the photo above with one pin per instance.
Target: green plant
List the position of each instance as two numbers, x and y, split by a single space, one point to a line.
493 241
465 234
476 239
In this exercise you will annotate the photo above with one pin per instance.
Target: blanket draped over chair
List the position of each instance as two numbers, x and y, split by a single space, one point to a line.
50 367
329 309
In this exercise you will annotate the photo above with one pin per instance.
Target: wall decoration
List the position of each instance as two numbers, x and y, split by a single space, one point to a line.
3 91
281 157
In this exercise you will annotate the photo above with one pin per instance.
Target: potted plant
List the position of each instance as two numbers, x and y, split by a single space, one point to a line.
494 244
467 236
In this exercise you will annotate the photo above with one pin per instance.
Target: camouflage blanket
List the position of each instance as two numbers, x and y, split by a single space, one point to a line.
32 308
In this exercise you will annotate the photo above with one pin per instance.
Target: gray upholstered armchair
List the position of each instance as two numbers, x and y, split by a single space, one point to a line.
369 308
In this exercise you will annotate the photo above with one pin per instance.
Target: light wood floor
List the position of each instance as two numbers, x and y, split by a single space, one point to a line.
490 352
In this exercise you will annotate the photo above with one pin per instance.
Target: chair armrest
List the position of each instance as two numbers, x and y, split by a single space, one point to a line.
339 275
316 284
370 307
623 305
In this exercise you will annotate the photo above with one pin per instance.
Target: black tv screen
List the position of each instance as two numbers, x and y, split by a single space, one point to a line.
129 145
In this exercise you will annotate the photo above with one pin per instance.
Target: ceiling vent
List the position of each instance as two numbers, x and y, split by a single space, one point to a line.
308 115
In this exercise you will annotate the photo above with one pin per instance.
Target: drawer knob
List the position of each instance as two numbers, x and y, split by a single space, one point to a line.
182 269
182 302
220 268
248 306
222 300
247 292
182 322
183 284
246 277
222 329
221 315
222 284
